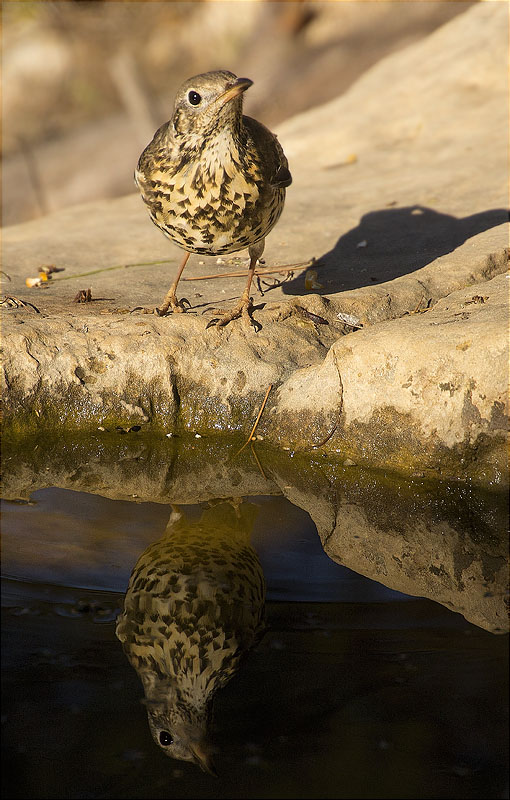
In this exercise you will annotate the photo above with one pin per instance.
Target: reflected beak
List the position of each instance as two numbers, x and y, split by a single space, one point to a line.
203 755
235 90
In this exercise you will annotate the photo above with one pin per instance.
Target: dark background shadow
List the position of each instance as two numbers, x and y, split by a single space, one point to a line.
398 241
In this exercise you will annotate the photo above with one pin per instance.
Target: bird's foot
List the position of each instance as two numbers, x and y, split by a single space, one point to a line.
243 309
173 305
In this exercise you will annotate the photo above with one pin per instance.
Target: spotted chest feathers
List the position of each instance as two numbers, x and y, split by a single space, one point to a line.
191 612
212 201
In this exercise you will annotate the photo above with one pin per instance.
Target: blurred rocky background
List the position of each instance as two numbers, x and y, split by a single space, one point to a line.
86 84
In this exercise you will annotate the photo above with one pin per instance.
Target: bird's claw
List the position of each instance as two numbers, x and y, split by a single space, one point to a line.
255 325
174 306
243 310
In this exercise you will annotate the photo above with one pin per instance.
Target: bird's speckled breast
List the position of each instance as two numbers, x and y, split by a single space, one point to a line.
195 603
212 204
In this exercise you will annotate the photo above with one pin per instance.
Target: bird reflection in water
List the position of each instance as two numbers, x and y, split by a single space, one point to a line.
194 607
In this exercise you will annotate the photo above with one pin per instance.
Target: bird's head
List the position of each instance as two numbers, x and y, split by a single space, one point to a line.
208 102
180 734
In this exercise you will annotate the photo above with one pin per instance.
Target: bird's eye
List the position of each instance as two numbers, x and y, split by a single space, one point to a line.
165 739
194 98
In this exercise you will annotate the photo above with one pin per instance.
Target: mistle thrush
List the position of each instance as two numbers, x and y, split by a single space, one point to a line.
213 179
193 608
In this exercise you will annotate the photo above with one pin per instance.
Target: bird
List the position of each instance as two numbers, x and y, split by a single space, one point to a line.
193 609
213 179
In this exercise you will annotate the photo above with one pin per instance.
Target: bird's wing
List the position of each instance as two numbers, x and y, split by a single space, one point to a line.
282 178
149 160
271 152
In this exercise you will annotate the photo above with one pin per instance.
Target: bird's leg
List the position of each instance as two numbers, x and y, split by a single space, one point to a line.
170 300
244 305
242 308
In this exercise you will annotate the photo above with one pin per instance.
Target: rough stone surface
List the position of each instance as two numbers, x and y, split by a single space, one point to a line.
399 190
433 384
399 540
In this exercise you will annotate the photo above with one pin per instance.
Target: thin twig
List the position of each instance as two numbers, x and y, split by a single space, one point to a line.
416 310
16 302
259 465
199 278
256 421
108 269
328 437
262 271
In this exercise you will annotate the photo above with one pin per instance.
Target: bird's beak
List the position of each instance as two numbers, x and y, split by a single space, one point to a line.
203 755
235 90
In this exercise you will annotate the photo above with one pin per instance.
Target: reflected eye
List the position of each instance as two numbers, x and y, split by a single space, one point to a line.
194 98
165 739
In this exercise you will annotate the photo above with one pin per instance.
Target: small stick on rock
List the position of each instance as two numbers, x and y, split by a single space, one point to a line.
259 465
256 421
264 271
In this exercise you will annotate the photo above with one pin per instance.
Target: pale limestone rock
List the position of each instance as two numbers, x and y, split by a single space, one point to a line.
408 390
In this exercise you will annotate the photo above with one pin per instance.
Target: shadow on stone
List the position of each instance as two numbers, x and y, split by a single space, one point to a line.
393 242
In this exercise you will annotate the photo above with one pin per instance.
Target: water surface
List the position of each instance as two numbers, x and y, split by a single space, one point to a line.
356 686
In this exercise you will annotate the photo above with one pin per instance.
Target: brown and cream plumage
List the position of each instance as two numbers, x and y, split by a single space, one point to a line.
194 607
213 179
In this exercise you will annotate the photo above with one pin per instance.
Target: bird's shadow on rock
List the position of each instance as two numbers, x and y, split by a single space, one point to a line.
393 242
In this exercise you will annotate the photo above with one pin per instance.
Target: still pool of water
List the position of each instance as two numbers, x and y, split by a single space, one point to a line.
307 630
